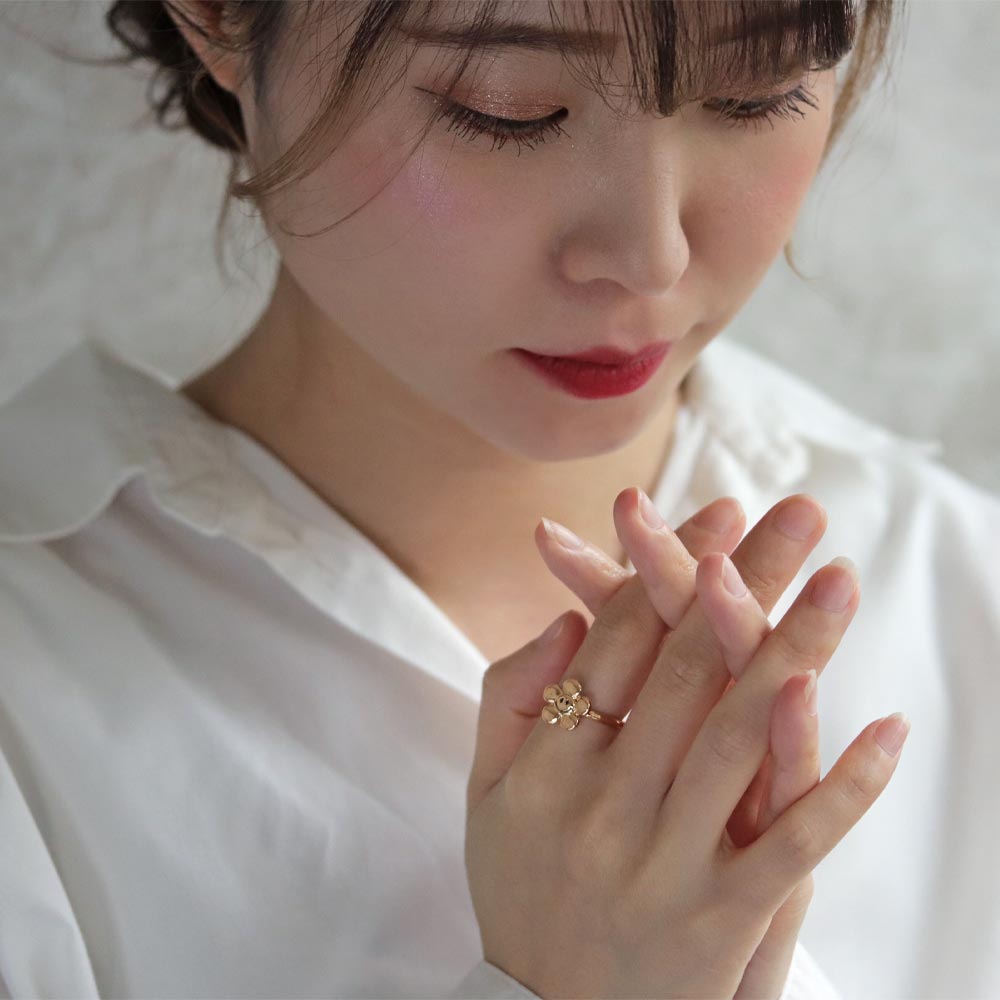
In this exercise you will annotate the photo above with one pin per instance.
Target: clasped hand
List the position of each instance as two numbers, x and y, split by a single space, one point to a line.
672 857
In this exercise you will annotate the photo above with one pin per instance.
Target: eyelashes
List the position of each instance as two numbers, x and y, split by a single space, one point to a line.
755 113
469 123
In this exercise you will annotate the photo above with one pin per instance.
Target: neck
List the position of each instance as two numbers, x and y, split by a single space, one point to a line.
421 485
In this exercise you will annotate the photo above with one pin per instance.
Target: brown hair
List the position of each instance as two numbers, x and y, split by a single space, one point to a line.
183 94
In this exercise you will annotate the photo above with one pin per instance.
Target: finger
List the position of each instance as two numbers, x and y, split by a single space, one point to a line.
805 833
663 559
622 641
795 759
593 576
616 653
795 747
733 613
587 570
689 674
508 706
740 625
731 744
795 771
742 825
767 971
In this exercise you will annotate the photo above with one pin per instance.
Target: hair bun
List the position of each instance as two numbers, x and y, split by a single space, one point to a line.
182 93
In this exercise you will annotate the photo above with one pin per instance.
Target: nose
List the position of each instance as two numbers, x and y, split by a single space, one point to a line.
626 229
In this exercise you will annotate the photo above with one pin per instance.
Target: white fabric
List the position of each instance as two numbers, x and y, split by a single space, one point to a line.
806 981
234 736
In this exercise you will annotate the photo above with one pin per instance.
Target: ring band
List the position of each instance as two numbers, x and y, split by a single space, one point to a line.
566 705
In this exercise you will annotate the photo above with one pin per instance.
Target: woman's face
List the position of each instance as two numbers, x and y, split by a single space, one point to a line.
609 231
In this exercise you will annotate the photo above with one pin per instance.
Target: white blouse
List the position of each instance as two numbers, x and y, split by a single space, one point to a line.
235 737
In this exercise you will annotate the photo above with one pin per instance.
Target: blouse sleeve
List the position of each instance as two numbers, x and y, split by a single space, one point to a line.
806 980
42 951
484 980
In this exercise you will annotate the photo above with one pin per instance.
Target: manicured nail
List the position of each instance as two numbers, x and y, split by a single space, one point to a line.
797 520
809 693
891 733
731 578
833 591
562 534
718 518
649 513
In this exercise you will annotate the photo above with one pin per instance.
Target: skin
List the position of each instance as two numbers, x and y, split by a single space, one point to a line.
380 372
613 785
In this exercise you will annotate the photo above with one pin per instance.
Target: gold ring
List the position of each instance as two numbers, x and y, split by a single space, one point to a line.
566 705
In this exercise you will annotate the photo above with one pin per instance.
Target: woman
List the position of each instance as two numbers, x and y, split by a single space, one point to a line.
241 689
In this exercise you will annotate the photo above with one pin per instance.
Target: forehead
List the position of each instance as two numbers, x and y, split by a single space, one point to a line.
668 49
592 27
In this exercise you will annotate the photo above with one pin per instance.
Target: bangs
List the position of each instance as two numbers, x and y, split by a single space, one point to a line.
654 55
676 52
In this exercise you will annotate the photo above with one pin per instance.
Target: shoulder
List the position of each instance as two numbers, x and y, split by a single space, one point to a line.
885 492
737 386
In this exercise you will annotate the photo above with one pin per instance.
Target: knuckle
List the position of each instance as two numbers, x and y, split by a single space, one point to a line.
670 583
759 585
752 900
804 891
801 844
730 739
528 796
597 845
794 646
860 786
792 912
739 910
800 897
626 614
690 657
675 566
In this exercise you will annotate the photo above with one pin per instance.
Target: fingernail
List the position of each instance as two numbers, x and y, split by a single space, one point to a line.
562 535
833 591
731 578
649 513
809 694
891 733
797 520
718 518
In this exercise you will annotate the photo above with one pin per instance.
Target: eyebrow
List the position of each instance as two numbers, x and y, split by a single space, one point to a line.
539 37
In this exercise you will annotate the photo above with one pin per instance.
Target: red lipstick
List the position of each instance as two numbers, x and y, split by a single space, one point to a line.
615 356
600 372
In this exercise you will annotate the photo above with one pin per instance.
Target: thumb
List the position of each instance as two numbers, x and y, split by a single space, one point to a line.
511 701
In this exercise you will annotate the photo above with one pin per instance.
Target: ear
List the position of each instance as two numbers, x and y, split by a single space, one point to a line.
224 66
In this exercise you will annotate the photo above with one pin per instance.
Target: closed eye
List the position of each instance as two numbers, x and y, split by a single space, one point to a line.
469 123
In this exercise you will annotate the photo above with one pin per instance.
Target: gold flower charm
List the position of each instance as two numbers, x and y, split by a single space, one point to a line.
566 704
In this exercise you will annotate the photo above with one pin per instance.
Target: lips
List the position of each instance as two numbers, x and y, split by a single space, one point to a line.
614 355
590 380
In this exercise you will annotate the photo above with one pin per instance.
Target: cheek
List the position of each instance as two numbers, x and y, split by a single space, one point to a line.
784 174
458 207
792 175
420 261
428 190
781 189
465 242
748 212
